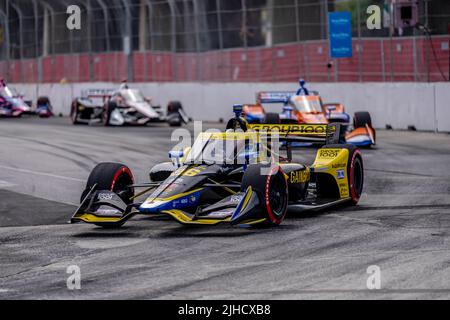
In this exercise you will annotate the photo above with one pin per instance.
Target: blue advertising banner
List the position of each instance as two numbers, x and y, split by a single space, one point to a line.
340 34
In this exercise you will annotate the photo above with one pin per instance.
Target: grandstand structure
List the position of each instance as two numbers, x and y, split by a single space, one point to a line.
217 41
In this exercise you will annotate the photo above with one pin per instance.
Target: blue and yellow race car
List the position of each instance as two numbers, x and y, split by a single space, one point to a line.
238 177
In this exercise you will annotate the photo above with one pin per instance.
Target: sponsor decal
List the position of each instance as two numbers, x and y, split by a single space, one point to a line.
236 199
105 196
302 176
341 174
329 153
339 166
300 129
193 172
187 173
108 211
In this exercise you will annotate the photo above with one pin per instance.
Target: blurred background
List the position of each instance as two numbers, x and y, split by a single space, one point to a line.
218 41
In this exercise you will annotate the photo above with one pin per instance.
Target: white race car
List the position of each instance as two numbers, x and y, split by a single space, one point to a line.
122 107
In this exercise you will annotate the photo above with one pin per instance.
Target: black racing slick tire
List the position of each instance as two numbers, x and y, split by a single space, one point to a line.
361 119
270 184
107 110
43 101
173 114
355 170
74 113
174 106
272 118
114 177
237 124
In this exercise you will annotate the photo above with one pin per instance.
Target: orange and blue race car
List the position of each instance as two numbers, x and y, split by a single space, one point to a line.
306 107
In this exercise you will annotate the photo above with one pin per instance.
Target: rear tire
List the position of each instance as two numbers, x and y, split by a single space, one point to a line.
356 176
272 191
74 113
43 100
174 106
114 177
237 124
272 118
173 114
361 119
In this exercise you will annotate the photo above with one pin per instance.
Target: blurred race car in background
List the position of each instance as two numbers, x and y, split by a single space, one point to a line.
12 104
124 106
44 108
306 107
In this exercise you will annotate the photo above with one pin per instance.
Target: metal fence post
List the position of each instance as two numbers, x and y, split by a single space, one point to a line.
391 40
173 44
21 43
53 27
415 55
245 33
359 47
297 36
36 39
197 39
106 23
427 52
8 45
150 26
89 35
3 17
149 10
219 23
128 41
383 60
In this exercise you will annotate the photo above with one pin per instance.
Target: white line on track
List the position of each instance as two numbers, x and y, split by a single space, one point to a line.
37 173
6 184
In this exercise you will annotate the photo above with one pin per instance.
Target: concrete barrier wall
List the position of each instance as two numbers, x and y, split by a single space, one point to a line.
423 105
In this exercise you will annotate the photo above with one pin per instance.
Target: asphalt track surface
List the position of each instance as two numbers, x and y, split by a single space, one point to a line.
401 225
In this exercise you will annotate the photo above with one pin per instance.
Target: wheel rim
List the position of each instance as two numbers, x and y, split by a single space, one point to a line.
120 183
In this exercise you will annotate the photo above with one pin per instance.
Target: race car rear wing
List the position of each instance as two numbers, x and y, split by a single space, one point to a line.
315 133
98 93
268 97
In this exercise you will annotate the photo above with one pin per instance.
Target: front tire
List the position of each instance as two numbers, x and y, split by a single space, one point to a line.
114 177
107 110
272 191
74 114
361 119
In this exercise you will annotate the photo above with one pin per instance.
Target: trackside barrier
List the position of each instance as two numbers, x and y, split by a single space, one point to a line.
426 106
